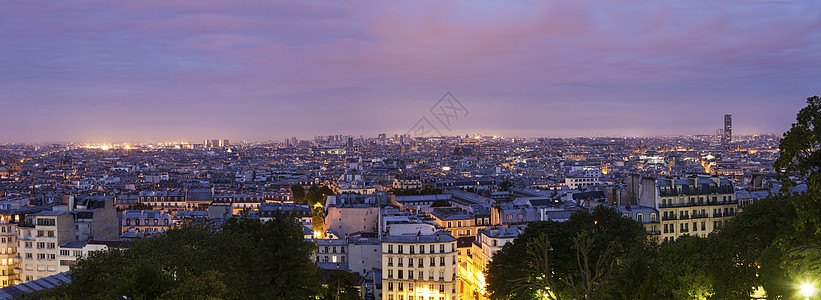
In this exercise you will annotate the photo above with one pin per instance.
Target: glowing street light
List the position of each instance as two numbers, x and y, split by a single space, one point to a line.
807 290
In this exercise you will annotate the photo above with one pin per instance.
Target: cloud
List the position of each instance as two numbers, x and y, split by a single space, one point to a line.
579 62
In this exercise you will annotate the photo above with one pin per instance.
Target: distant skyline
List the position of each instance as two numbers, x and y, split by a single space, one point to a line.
162 70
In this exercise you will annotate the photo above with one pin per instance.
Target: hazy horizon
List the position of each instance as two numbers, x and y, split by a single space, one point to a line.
104 71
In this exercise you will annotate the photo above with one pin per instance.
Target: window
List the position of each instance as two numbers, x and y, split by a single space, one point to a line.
421 274
399 275
639 218
390 273
442 261
390 248
412 249
400 249
432 261
127 222
431 249
64 253
390 287
390 261
442 248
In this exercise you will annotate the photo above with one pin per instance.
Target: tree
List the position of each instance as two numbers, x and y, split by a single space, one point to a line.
799 156
581 253
246 259
798 152
298 192
342 285
316 200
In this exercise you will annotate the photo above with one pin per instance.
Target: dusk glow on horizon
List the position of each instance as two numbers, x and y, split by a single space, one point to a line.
113 71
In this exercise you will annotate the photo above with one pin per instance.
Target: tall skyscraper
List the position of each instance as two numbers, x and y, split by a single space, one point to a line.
728 130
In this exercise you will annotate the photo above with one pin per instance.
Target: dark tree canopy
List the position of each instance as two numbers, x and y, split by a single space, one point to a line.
607 229
798 151
298 192
245 260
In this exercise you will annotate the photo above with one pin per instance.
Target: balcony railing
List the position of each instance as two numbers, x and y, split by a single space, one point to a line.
700 216
654 232
694 203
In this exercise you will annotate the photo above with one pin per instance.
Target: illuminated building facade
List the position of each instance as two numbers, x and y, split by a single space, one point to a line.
471 272
39 237
419 267
690 206
8 249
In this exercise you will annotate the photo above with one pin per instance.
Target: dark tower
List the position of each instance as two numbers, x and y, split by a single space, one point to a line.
728 130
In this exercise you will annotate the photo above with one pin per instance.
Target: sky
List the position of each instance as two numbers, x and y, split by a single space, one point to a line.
168 70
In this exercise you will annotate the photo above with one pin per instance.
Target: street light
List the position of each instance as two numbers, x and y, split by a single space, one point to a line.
807 290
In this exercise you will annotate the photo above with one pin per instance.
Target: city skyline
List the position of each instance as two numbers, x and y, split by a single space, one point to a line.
257 71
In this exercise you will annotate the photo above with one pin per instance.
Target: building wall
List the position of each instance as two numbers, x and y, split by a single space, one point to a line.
105 225
8 251
401 280
40 245
347 220
364 257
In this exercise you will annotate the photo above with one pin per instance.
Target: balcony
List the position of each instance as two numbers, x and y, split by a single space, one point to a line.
668 218
705 203
700 216
653 232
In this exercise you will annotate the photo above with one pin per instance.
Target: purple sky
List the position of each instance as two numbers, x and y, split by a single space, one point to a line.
109 71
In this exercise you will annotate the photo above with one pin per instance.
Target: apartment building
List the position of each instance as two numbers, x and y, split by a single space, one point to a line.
146 222
39 237
8 250
694 205
415 266
471 272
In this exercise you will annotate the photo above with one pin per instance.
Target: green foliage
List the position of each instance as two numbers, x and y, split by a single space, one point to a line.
799 155
140 206
298 192
341 286
609 233
245 260
798 151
